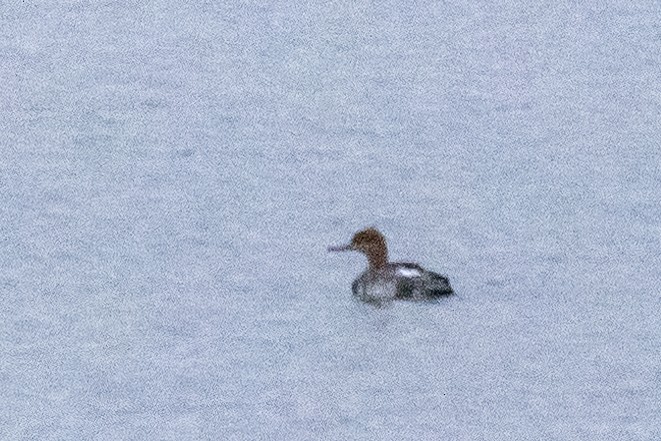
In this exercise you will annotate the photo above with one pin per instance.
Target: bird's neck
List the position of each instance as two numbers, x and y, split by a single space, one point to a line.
377 257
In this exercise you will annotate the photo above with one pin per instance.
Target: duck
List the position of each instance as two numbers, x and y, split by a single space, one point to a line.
384 280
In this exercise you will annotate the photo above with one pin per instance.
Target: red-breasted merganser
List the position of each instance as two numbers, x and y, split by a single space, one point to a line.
383 280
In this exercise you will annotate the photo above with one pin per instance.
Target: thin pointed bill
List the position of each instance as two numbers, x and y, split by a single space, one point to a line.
341 248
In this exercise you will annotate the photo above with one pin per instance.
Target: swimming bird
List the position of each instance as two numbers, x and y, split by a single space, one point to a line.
383 280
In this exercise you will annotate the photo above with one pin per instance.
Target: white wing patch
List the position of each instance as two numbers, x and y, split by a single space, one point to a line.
409 272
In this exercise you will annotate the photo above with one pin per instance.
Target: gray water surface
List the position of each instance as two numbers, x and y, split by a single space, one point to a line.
171 175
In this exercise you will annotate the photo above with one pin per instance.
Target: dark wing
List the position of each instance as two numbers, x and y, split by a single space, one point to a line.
407 287
438 285
428 285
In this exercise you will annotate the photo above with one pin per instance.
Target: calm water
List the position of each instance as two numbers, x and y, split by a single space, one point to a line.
171 176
